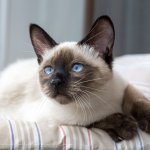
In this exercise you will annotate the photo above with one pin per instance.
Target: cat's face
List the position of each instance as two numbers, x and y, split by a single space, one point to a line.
70 70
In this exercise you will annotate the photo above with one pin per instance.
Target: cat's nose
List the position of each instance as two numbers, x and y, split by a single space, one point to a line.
57 82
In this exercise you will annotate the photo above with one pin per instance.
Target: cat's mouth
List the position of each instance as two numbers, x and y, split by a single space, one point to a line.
62 98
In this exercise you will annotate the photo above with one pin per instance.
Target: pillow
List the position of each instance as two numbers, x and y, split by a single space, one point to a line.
27 135
24 135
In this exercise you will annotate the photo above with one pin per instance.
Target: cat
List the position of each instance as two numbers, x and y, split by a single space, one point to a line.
74 83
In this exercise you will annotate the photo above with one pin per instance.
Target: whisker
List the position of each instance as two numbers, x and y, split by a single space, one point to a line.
77 108
39 109
89 80
86 92
89 107
82 108
98 90
83 100
101 99
98 97
83 77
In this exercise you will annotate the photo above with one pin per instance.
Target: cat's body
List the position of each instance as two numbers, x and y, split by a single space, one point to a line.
27 102
74 83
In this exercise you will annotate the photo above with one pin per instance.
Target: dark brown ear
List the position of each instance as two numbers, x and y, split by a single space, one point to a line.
41 41
101 37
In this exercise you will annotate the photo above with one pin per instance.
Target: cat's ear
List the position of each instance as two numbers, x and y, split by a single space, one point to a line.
41 41
101 37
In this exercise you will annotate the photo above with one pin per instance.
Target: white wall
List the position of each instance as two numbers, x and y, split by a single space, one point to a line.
62 19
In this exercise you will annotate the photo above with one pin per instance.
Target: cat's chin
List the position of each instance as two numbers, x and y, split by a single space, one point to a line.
62 99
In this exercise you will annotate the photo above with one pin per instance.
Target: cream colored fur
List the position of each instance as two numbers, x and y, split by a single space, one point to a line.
22 99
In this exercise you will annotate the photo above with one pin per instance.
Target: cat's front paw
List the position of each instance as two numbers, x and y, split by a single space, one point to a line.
125 130
141 113
119 126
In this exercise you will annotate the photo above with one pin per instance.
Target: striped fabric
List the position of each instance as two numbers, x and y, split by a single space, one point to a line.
16 135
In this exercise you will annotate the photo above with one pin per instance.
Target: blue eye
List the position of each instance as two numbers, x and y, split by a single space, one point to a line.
77 67
48 70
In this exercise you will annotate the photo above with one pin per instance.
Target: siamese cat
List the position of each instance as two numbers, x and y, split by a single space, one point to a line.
74 83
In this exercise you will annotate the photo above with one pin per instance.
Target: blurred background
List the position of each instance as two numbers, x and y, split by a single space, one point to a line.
70 20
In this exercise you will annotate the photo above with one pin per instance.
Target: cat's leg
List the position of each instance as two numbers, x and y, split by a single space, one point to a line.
119 126
137 105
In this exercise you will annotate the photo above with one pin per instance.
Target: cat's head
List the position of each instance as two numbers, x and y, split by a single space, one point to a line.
70 70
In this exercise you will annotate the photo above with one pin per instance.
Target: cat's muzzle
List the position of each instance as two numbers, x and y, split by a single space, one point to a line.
58 85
